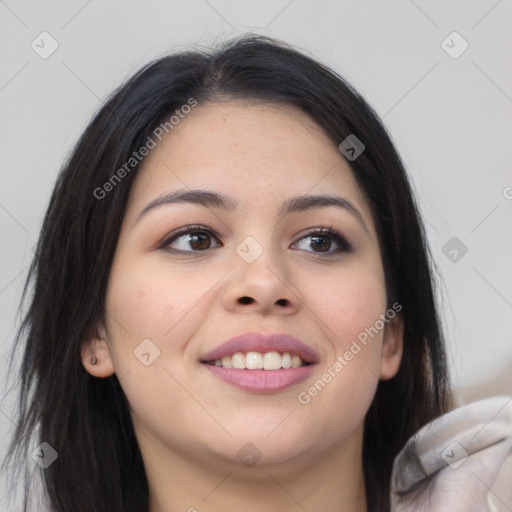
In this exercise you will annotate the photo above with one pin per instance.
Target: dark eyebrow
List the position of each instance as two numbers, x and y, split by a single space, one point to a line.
308 202
200 197
216 200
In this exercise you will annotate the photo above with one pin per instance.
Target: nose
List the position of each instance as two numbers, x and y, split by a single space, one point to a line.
264 286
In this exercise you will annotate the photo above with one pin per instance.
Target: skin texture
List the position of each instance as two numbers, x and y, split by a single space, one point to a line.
191 425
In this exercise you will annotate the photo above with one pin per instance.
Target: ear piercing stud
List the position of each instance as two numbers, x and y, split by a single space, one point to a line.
94 360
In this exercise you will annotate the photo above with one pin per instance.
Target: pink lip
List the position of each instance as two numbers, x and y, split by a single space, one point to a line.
262 342
262 381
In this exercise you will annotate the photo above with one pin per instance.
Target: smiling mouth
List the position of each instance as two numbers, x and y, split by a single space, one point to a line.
251 360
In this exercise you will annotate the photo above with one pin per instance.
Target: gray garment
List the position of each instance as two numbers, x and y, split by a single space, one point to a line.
451 464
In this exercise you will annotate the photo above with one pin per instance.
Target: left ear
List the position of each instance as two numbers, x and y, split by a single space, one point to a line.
97 348
392 348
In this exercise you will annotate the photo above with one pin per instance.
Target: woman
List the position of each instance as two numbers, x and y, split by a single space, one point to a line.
232 304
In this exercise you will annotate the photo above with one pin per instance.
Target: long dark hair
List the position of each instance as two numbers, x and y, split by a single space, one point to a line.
86 419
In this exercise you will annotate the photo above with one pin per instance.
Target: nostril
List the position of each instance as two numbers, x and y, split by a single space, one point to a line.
282 302
246 300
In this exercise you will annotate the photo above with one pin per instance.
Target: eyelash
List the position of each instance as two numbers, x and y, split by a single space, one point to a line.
343 245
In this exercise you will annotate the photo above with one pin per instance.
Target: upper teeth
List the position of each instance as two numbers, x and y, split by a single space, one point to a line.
257 361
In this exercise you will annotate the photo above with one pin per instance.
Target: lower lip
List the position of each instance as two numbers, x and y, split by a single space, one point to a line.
261 381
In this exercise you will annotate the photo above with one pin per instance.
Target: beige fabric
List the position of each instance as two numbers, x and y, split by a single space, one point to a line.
451 464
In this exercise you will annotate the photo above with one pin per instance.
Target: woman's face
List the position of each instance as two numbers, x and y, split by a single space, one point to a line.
257 263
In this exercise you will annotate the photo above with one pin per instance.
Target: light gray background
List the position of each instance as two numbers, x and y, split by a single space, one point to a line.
450 119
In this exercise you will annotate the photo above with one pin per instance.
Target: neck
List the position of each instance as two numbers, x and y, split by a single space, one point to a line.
333 481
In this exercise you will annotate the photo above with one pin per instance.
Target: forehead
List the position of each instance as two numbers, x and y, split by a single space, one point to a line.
251 151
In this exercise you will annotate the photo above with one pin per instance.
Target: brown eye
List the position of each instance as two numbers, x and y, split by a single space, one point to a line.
322 243
191 240
200 241
325 241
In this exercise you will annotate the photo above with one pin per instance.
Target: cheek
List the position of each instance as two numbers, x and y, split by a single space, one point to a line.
350 304
146 301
